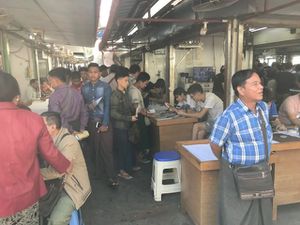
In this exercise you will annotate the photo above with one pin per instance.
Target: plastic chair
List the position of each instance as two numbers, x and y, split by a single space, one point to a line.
166 166
76 218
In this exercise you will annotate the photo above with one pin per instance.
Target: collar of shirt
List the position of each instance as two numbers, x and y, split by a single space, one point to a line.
98 82
61 86
246 109
8 105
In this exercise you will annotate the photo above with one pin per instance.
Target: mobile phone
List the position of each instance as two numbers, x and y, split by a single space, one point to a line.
98 124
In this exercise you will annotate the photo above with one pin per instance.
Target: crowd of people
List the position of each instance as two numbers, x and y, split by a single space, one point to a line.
111 104
107 102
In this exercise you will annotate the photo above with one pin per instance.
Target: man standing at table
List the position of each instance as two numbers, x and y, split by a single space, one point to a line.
96 94
238 132
67 101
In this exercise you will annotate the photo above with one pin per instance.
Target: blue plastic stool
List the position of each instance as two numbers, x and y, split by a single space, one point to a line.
166 156
166 160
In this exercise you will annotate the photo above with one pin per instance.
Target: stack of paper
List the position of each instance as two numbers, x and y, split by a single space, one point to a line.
202 152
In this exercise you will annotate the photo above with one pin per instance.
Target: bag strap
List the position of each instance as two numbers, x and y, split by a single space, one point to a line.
66 134
111 80
264 131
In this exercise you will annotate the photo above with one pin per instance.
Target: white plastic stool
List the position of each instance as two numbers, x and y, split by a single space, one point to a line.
170 161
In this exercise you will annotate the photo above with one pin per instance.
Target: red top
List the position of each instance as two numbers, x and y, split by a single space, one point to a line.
23 135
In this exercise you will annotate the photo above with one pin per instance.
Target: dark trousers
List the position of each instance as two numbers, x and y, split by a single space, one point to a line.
144 142
233 210
101 150
123 149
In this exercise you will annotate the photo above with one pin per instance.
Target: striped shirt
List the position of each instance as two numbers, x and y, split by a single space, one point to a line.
239 132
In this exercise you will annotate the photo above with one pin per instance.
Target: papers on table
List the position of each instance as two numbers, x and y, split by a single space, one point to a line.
97 101
202 152
39 106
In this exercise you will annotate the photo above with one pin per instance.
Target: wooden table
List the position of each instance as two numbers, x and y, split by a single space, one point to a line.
200 181
166 132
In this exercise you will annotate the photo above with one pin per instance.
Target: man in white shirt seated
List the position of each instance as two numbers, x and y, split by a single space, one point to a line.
183 100
31 92
211 106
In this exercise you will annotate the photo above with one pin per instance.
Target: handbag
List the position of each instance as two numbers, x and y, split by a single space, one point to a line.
49 201
255 181
55 188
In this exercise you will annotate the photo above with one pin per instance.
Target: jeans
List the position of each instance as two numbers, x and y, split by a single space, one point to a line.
61 214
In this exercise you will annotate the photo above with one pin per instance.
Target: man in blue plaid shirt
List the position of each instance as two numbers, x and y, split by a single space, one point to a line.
239 133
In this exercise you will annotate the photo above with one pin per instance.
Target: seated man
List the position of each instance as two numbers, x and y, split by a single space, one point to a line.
211 105
31 92
289 111
77 185
183 100
273 114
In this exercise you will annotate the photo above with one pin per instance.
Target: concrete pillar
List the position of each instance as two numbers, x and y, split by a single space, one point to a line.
37 69
233 55
4 48
170 71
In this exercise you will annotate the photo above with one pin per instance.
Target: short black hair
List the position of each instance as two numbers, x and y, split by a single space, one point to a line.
195 88
103 68
134 68
75 75
93 65
179 91
268 96
239 79
121 72
143 76
32 81
160 83
113 68
297 68
60 73
9 87
52 118
81 69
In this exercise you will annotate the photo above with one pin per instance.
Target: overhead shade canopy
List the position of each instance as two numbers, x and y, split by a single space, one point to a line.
66 22
276 13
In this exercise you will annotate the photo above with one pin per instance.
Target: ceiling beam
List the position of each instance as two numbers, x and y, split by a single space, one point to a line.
153 20
107 31
270 10
279 21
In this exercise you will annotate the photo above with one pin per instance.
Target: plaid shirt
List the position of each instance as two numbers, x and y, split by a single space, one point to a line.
238 130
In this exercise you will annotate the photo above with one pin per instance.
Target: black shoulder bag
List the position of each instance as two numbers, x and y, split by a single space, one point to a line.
255 182
54 188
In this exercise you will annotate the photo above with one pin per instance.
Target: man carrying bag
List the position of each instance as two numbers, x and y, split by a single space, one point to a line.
245 136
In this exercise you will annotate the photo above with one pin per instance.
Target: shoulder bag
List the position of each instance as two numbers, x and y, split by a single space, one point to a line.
54 188
255 181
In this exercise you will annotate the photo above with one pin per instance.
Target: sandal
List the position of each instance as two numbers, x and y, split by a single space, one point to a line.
113 183
124 175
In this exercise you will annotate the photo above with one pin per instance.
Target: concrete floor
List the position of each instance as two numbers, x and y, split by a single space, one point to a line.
132 204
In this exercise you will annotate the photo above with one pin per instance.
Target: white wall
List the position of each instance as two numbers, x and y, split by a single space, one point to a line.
275 35
209 53
21 61
155 64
